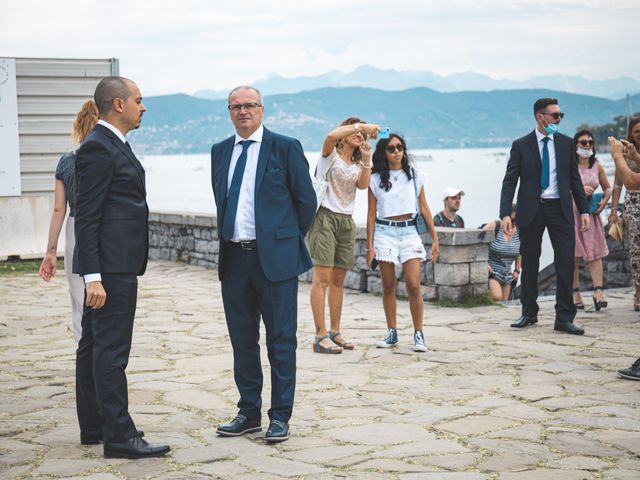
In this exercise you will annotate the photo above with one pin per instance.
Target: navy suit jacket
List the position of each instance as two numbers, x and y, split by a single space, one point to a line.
285 203
525 165
111 223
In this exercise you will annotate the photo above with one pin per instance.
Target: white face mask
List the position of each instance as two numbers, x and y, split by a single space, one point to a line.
584 152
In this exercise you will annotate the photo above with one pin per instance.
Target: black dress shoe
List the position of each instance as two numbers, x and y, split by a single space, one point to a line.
239 426
631 373
94 438
568 327
135 447
278 431
524 320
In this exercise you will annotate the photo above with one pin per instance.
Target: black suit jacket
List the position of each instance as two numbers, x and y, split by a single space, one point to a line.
525 165
111 222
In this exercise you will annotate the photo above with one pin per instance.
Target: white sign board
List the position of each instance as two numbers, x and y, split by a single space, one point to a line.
9 144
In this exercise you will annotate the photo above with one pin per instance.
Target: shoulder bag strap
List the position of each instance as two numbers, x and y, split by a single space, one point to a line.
415 189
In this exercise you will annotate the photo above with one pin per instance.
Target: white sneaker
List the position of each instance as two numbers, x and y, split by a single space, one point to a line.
390 340
418 342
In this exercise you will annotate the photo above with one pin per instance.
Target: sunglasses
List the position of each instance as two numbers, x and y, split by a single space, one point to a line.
586 143
555 115
395 148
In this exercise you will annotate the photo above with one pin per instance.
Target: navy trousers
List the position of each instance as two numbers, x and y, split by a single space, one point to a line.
562 235
248 295
102 400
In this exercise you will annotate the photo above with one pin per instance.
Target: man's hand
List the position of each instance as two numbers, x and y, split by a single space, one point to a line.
585 222
507 226
96 296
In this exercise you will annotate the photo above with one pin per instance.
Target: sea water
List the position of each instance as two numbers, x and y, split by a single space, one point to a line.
182 183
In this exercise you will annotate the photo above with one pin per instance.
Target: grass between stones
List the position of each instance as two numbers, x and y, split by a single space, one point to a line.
468 302
12 267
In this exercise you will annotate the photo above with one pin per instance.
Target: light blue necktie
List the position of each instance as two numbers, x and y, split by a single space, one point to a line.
231 207
544 178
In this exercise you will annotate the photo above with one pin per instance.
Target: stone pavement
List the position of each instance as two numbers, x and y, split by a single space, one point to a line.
487 401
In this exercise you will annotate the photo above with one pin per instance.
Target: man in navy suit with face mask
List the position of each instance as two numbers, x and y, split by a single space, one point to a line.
265 205
544 163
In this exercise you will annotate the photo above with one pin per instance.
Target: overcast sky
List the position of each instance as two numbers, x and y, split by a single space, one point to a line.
170 46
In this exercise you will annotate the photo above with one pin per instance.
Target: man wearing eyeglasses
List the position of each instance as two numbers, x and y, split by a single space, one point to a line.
265 205
543 163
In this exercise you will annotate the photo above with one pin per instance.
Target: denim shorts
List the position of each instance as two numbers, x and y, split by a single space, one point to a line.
398 244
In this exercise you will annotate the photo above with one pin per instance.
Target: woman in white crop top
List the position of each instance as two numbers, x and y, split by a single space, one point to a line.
346 164
396 197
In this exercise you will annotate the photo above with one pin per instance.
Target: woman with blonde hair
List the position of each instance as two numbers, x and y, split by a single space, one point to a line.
64 194
345 163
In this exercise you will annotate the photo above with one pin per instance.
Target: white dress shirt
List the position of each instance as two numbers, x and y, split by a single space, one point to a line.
96 277
245 223
552 190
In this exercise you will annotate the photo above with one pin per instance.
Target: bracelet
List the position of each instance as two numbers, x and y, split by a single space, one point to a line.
367 166
619 187
516 270
369 249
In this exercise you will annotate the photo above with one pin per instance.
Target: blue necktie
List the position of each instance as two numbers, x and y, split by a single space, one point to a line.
544 178
231 207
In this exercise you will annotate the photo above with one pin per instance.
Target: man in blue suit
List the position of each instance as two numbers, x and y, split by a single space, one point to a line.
265 205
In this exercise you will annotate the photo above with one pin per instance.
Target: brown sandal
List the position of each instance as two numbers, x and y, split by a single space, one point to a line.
345 345
332 349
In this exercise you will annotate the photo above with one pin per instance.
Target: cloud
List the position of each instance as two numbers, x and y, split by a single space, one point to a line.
170 46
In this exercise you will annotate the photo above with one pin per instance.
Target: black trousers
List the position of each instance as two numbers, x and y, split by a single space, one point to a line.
247 295
101 359
562 235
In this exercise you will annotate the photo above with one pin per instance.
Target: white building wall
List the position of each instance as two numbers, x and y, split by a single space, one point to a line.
50 92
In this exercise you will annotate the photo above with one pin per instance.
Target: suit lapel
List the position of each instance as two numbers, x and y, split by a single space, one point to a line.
557 139
131 157
127 152
265 148
532 141
227 151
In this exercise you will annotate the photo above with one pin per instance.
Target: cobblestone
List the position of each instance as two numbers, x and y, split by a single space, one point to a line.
486 402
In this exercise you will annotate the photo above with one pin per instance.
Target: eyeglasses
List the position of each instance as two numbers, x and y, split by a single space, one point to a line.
554 115
395 148
586 143
236 107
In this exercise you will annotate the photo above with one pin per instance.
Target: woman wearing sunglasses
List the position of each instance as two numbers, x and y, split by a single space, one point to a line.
346 165
591 244
396 197
631 212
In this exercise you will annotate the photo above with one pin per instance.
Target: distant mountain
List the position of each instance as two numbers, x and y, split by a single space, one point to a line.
389 79
429 119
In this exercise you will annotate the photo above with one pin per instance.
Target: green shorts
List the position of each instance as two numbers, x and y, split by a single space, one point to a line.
332 239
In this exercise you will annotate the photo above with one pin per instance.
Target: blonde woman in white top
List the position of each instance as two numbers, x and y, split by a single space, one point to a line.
396 197
346 160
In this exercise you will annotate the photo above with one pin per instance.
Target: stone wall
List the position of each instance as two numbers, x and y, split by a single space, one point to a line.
461 271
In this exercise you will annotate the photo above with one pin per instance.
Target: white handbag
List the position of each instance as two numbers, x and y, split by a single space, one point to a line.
320 185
